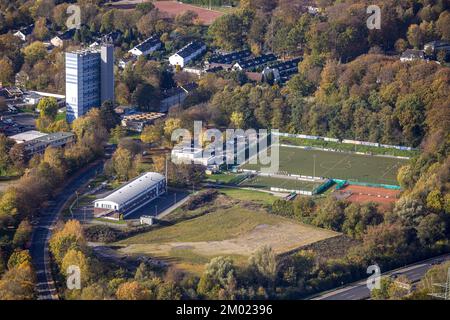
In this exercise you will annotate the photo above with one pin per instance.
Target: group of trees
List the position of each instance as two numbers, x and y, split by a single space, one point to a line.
338 31
100 281
23 201
373 98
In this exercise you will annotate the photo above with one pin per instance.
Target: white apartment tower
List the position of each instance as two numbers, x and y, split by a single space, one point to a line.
89 79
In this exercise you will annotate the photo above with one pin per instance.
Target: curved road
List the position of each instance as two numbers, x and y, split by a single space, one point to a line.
359 290
42 232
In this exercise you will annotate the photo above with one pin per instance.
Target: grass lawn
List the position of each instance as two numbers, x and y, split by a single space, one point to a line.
347 147
237 231
60 116
339 165
111 221
265 182
249 195
224 178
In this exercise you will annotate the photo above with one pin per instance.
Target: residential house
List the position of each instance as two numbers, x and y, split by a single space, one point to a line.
175 96
282 71
62 38
227 61
254 63
412 55
435 47
122 63
25 32
187 54
146 47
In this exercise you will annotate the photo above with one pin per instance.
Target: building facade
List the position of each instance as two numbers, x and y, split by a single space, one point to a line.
35 142
131 196
187 54
146 47
89 79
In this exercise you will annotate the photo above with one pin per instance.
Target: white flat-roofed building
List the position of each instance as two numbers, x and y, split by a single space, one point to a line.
36 142
181 154
27 136
132 196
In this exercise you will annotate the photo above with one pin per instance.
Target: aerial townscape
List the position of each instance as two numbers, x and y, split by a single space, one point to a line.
225 150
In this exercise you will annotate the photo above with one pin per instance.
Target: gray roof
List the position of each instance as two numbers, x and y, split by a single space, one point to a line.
133 188
258 61
190 48
148 43
230 57
413 54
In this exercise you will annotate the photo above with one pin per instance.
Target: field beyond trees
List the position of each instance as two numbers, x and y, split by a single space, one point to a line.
235 230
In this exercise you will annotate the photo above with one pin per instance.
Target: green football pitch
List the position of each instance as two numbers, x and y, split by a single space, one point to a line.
265 182
338 165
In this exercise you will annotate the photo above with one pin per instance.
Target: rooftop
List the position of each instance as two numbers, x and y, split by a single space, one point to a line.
286 65
413 54
33 136
133 188
67 34
55 136
179 90
27 136
147 116
254 62
190 48
148 43
230 57
27 30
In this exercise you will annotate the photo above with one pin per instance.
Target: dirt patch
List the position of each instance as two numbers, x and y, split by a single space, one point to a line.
362 194
281 237
173 8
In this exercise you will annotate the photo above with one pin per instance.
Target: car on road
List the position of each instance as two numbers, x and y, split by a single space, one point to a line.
394 275
436 262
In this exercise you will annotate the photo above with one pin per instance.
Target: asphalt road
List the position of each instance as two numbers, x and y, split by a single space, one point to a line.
42 232
359 290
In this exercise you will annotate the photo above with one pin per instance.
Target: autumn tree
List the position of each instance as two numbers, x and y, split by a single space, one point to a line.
18 283
123 163
132 290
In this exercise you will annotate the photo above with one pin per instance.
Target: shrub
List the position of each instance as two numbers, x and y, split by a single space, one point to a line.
101 233
200 199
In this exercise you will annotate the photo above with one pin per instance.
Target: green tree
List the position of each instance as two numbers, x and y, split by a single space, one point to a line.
22 234
35 52
331 214
264 263
435 201
17 258
431 229
227 31
219 275
6 71
48 107
108 115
